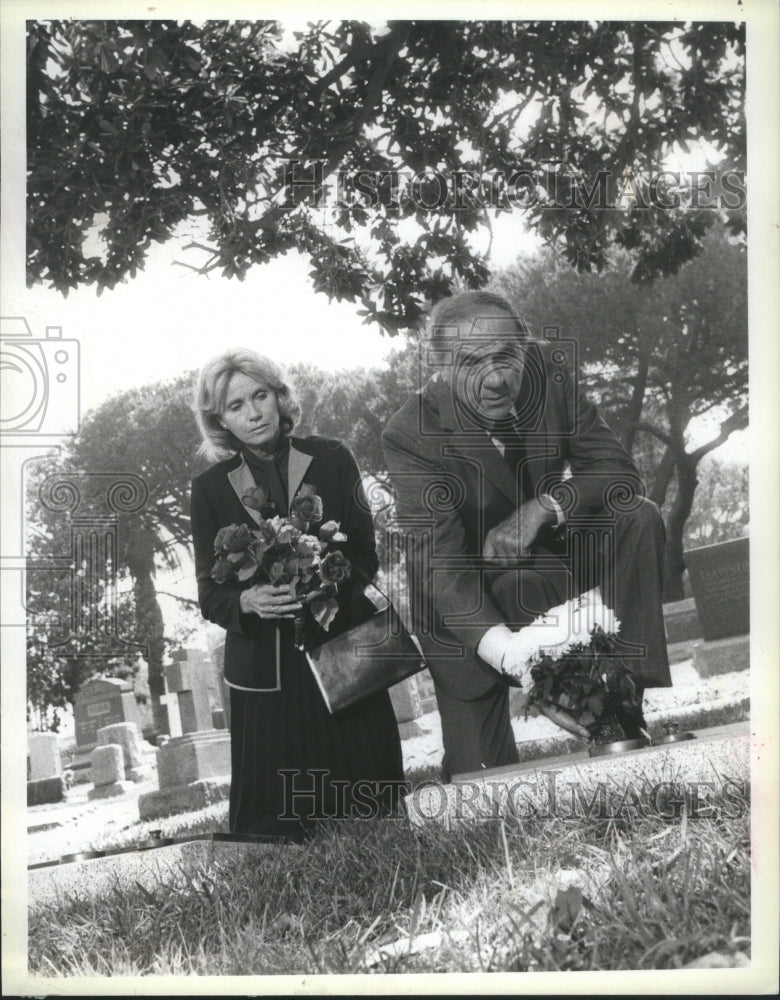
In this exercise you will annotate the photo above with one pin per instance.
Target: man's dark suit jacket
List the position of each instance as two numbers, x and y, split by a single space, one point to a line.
453 486
252 643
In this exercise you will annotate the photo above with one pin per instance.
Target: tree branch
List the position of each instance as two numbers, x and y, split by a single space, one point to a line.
183 600
737 421
656 433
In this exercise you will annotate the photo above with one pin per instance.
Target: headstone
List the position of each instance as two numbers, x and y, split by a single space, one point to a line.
102 702
143 699
215 640
45 761
681 621
126 735
720 578
46 790
426 691
193 757
108 772
188 678
170 706
405 700
192 771
198 758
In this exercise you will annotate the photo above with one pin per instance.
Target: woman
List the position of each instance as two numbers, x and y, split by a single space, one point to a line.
292 762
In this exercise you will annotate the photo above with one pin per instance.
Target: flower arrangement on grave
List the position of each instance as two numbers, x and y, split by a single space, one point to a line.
576 671
282 551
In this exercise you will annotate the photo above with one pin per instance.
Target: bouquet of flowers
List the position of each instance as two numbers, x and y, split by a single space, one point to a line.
575 668
281 551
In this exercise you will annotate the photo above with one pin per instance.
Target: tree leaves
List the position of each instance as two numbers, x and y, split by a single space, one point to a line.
223 107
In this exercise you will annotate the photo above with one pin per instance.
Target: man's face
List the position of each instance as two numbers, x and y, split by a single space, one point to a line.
487 368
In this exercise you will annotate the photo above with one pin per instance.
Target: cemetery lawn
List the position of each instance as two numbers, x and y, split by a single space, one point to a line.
640 890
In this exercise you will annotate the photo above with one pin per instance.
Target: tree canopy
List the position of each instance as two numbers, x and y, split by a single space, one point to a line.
136 128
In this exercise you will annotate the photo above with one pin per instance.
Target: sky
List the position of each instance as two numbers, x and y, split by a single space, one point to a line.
169 319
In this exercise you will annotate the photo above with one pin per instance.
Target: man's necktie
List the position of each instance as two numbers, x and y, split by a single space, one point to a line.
514 453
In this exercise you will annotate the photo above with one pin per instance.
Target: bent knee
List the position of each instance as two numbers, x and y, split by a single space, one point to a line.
643 514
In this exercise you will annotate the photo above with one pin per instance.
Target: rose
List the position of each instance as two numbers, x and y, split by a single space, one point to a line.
233 538
335 567
222 570
307 547
306 508
265 536
284 533
256 498
330 532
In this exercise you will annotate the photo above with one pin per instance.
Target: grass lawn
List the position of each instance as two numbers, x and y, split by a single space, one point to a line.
639 890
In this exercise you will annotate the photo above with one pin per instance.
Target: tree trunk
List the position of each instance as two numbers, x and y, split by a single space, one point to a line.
634 410
151 631
663 476
681 508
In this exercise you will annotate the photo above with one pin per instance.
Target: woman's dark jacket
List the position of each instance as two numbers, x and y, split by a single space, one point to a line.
252 644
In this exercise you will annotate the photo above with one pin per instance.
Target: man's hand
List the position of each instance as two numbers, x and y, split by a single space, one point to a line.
513 537
506 652
565 721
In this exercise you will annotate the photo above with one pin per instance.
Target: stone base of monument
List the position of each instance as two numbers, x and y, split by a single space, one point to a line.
193 771
189 758
170 866
109 791
46 790
183 798
575 784
721 656
679 652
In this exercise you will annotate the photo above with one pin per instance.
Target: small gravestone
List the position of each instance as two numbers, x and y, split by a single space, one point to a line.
681 621
45 782
45 760
720 579
683 628
108 772
44 791
215 640
405 700
426 691
102 702
126 735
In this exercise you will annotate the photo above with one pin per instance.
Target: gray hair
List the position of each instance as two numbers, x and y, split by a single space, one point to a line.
211 392
453 310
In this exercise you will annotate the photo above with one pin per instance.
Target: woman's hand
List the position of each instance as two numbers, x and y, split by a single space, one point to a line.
267 600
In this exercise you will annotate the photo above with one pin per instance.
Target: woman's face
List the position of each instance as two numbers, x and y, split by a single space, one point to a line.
251 412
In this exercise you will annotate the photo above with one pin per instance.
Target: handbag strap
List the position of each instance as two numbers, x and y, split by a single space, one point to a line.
377 598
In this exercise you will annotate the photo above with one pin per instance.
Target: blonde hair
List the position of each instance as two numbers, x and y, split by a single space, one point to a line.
211 392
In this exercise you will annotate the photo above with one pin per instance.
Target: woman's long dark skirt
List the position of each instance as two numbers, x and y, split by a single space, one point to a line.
294 764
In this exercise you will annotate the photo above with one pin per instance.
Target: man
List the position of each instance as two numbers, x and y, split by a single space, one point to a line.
514 496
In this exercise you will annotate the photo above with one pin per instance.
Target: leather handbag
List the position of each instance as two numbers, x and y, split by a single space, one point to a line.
367 658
